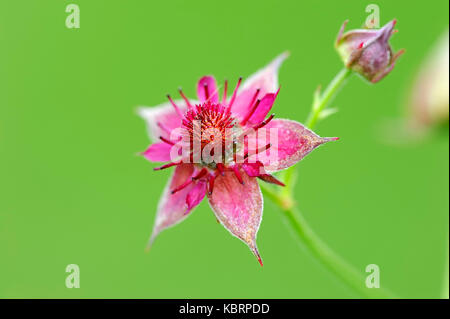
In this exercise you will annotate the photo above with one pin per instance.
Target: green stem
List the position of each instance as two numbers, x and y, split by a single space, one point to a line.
321 101
284 199
329 258
324 254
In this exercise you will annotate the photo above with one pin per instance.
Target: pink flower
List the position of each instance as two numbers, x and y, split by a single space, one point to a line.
246 146
368 51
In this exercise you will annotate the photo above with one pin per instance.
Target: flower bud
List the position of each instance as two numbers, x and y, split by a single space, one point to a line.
368 51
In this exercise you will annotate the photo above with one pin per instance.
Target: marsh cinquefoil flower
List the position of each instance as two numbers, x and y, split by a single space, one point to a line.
220 146
367 51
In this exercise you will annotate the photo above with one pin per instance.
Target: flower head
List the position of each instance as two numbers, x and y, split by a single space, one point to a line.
368 51
220 147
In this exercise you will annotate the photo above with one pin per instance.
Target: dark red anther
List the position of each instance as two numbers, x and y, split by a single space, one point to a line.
250 113
186 100
254 97
180 187
165 140
233 97
177 109
211 179
200 174
167 166
238 174
205 87
221 168
225 89
264 123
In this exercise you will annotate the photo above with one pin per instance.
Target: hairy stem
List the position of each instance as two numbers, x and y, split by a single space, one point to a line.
321 101
284 199
324 254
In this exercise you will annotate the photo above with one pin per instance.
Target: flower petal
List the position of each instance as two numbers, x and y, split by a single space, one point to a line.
173 208
162 119
266 80
158 152
290 142
207 89
241 215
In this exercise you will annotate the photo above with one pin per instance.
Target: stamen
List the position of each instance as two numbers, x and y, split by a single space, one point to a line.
175 106
254 97
250 113
211 179
225 89
238 174
233 97
165 140
167 166
186 100
205 87
264 123
163 127
200 174
184 185
221 168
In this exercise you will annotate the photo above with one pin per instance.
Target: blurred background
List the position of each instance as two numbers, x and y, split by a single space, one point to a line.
73 190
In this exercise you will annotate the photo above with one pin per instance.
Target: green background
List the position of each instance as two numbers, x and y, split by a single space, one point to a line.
72 189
